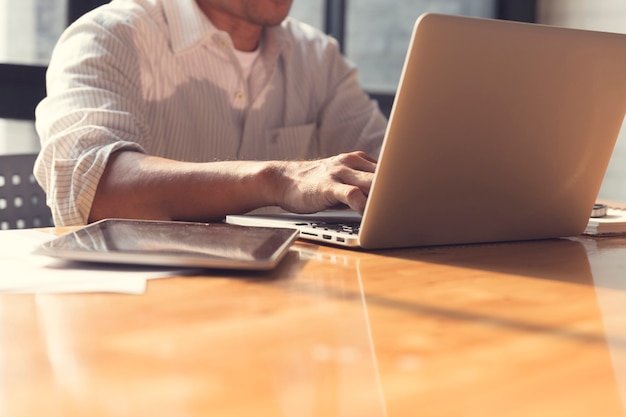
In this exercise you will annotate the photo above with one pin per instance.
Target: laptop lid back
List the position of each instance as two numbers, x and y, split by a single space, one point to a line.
499 131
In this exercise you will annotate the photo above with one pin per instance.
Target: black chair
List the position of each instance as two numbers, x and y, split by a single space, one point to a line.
22 201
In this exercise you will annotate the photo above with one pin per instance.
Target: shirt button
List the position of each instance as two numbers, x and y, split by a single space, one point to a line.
240 95
221 42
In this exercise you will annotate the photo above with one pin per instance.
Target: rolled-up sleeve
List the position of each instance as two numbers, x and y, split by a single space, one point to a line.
92 109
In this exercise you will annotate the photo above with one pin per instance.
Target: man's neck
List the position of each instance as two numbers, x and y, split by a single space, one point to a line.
246 36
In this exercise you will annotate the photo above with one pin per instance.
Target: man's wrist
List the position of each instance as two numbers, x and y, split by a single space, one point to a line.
272 182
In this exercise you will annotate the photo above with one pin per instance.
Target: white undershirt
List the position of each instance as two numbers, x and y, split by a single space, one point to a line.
246 59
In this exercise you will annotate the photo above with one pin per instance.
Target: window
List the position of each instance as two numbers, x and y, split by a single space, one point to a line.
27 34
29 30
375 35
309 11
378 34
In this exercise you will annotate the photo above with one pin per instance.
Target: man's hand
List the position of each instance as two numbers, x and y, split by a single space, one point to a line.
311 186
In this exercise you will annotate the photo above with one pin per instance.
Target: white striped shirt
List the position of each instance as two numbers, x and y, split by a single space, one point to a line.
156 76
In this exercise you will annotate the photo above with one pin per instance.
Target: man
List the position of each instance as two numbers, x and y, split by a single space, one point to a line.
191 110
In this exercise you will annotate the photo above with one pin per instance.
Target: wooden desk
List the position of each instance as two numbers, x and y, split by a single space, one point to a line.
522 329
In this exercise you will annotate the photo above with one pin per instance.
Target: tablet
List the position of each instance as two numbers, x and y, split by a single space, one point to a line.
170 243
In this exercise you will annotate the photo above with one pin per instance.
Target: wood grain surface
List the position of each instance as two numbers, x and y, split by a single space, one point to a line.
520 329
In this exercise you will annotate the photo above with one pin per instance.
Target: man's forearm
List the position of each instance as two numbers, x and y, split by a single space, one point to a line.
135 185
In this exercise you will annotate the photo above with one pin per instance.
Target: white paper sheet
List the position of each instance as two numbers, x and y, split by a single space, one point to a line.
23 272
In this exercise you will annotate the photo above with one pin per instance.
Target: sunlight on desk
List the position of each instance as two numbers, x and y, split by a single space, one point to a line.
520 329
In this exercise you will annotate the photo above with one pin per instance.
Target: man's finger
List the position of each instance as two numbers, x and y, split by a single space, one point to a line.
359 161
351 195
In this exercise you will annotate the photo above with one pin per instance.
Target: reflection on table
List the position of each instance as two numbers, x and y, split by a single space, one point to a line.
518 329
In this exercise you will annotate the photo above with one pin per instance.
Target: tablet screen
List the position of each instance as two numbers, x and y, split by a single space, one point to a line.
212 245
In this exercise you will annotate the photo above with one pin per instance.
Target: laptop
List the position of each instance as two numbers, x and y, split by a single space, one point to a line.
500 131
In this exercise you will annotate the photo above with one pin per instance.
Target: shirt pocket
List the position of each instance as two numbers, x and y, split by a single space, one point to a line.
293 143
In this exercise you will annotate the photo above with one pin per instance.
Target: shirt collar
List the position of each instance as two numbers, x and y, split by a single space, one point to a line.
190 27
276 40
187 24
